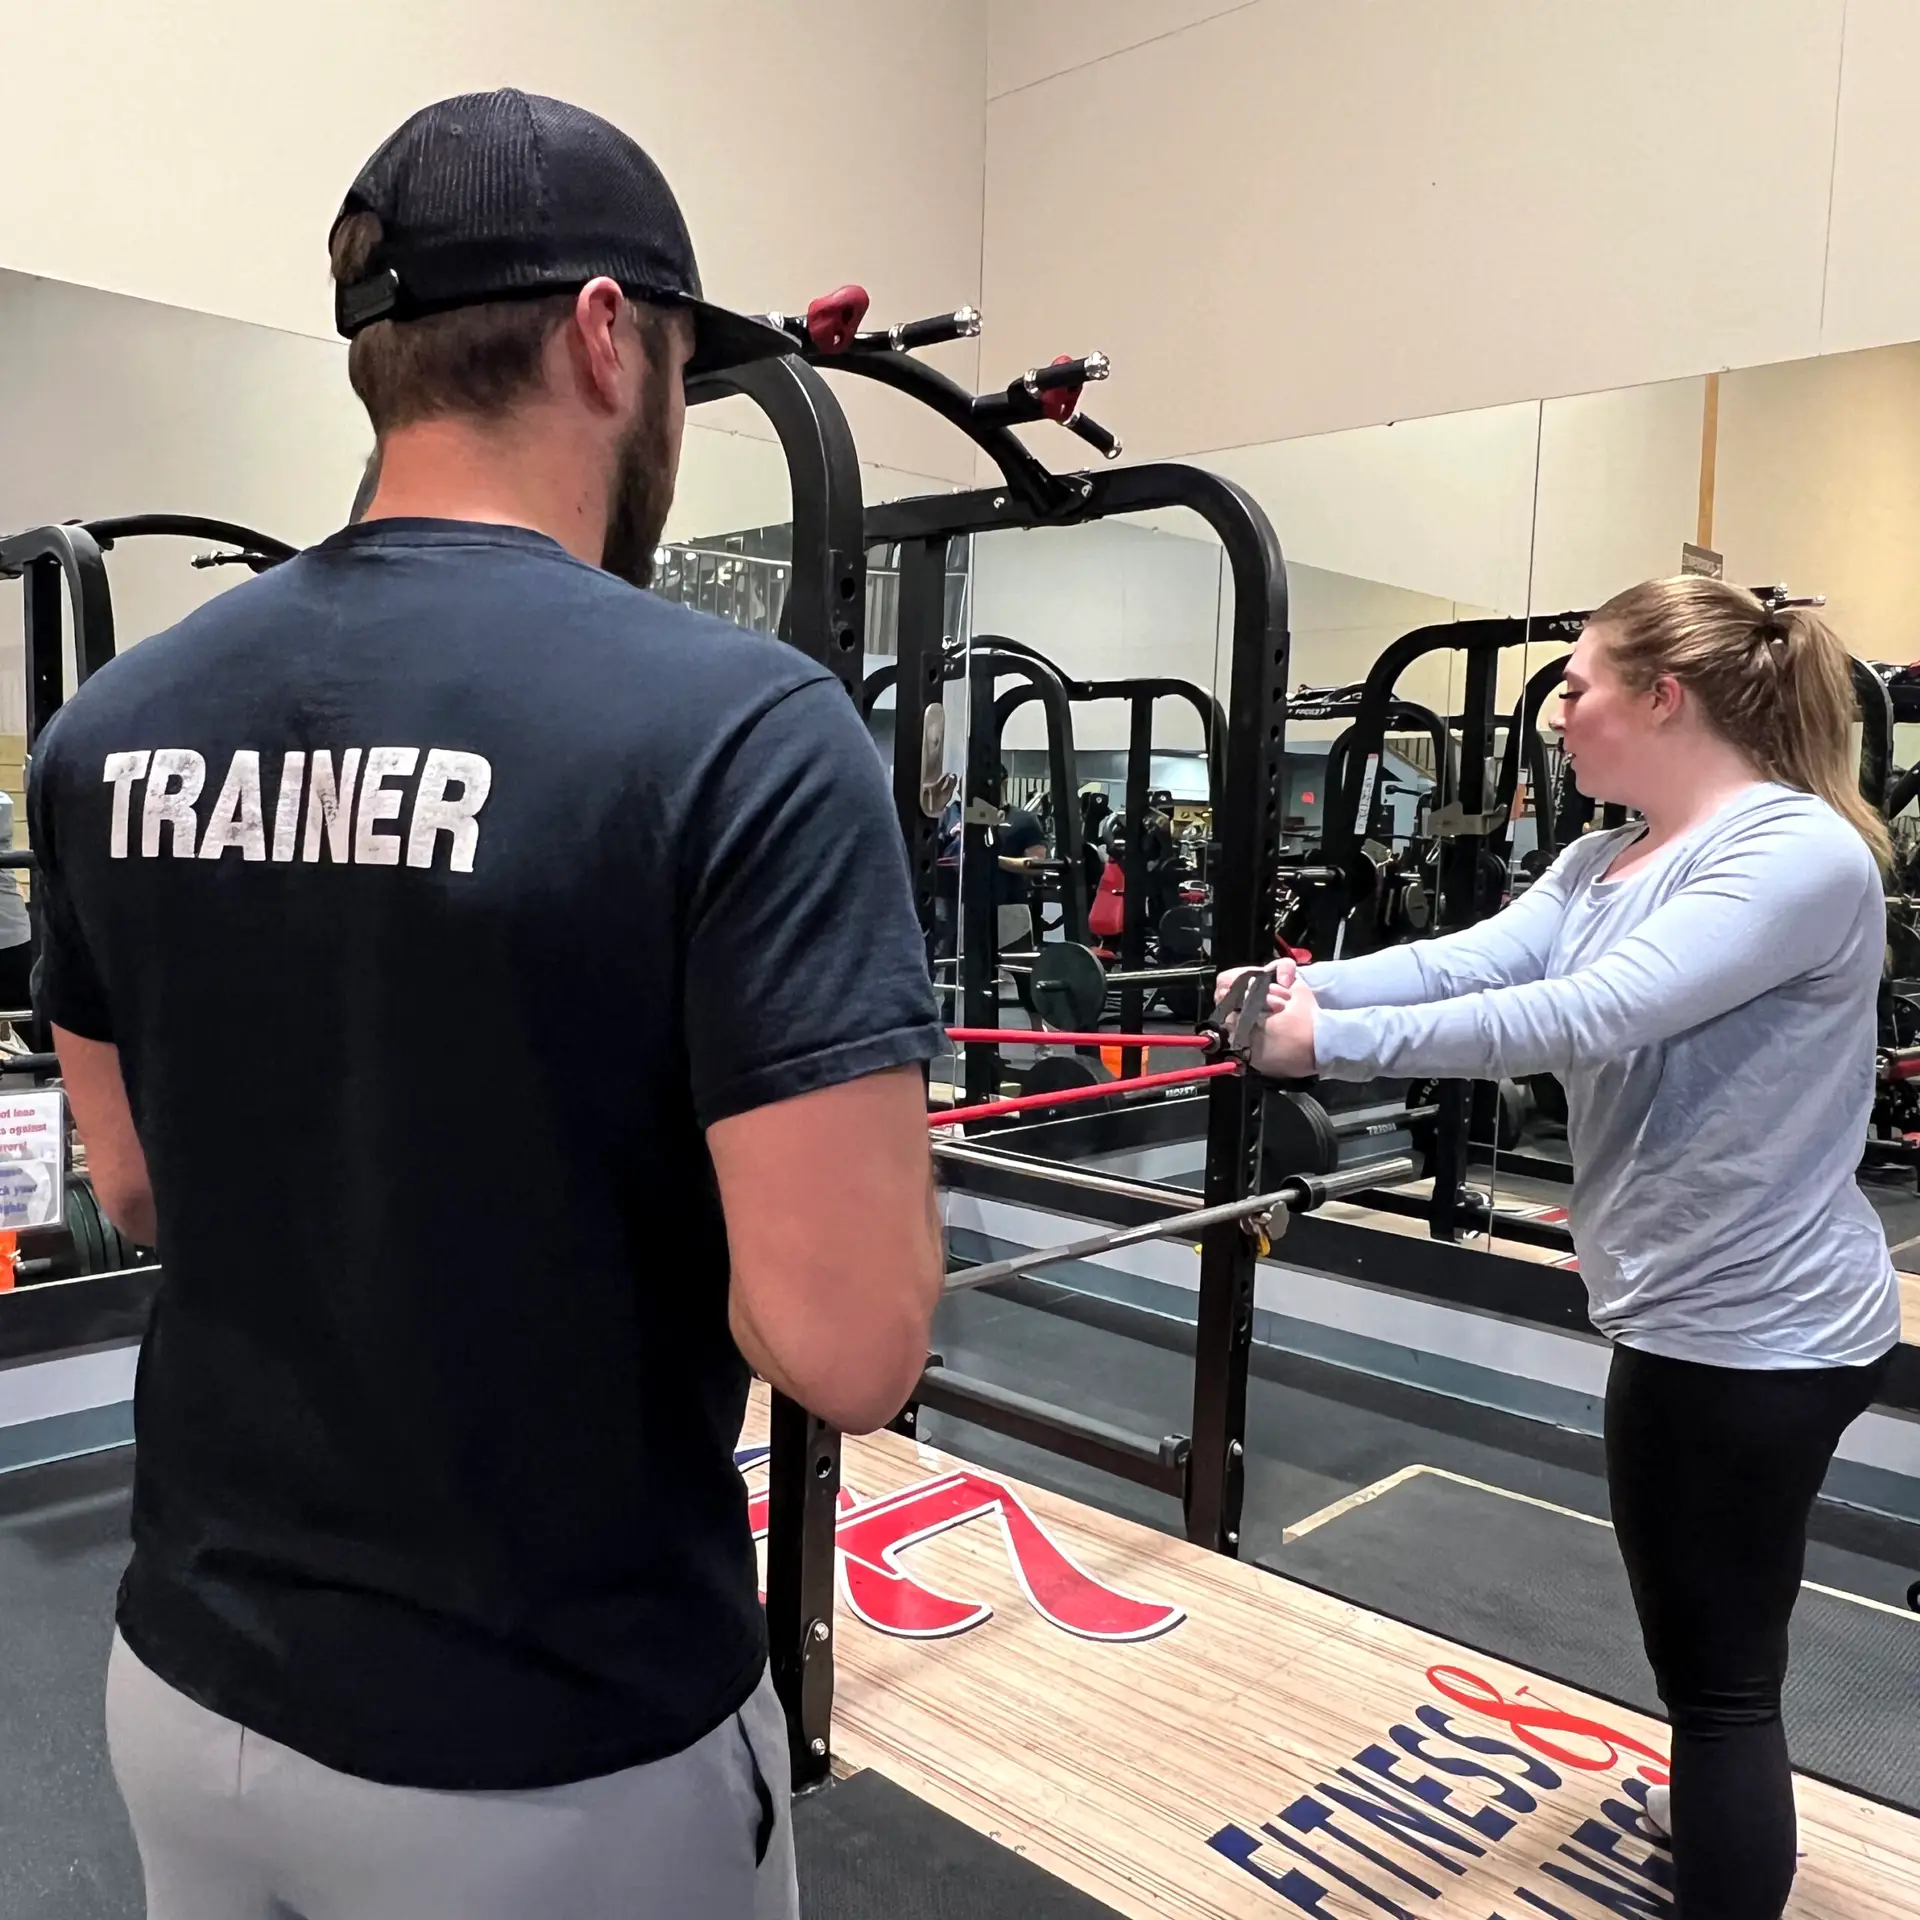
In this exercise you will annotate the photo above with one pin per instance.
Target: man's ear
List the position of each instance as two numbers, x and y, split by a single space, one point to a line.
595 345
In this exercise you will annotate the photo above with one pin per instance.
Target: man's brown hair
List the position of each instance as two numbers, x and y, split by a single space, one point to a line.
481 359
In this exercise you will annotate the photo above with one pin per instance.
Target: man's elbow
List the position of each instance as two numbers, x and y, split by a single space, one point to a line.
128 1203
886 1384
853 1369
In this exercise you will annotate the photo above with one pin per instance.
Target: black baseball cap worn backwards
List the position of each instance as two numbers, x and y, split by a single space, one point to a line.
510 195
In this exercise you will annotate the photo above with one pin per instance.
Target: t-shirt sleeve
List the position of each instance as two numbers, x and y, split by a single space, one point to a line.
805 964
71 994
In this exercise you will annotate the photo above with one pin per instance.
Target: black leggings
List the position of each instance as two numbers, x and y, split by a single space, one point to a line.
1713 1472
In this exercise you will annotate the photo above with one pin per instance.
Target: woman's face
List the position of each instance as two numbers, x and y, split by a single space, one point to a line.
1611 733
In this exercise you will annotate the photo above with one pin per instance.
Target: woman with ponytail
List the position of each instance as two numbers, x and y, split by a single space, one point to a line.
1704 981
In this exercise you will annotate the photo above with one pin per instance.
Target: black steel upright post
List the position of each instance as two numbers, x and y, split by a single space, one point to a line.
980 884
1876 735
825 619
1247 824
918 687
45 664
1459 907
803 1497
1133 919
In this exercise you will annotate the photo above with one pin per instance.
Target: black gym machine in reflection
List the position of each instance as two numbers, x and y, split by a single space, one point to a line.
1159 949
60 566
1893 1132
1066 982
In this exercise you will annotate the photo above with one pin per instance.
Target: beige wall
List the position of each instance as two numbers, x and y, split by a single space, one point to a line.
1105 602
1294 215
1619 489
113 406
1442 506
1818 485
194 153
1820 488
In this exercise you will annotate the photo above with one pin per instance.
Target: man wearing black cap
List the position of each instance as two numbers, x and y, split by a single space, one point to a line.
498 992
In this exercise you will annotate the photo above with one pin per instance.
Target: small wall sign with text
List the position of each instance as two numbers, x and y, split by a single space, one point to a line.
33 1159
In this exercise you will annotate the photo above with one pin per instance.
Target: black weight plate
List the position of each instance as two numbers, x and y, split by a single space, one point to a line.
1903 948
1489 884
1060 1071
1296 1136
115 1249
1069 987
1516 1109
83 1223
1183 936
1023 990
96 1231
1549 1097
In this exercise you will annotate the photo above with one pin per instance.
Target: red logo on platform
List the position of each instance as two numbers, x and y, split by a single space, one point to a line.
874 1534
1552 1733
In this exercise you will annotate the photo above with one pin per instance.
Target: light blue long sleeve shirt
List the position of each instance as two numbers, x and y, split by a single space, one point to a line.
1713 1018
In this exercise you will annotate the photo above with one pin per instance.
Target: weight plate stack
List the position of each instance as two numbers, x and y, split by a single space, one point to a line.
84 1223
1296 1136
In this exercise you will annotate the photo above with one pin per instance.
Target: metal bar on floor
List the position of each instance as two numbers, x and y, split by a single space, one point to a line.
1064 1174
1160 1464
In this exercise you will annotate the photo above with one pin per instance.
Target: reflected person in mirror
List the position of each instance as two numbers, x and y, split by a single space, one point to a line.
1704 981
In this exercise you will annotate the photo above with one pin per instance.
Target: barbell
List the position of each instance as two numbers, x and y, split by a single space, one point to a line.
1265 1213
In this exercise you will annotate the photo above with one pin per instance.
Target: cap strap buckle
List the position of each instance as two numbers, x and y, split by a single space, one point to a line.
366 301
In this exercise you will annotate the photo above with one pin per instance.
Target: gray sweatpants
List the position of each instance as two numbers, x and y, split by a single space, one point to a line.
234 1827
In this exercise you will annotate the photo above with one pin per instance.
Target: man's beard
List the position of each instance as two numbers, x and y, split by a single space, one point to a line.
642 491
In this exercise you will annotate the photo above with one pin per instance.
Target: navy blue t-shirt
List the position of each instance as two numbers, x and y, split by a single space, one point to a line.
438 891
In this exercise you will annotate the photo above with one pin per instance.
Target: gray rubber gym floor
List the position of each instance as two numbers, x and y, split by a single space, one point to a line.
1540 1587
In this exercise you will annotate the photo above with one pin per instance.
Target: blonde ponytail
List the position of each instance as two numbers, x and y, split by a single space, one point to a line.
1777 683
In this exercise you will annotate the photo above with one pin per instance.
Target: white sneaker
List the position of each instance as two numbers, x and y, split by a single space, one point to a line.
1660 1811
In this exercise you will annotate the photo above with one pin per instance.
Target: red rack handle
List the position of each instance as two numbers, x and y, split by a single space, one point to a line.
1061 403
992 1109
835 318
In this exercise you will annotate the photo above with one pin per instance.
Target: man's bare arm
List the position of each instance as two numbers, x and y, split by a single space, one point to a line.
834 1231
116 1163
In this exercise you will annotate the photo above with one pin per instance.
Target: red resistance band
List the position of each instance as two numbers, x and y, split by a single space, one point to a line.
992 1109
